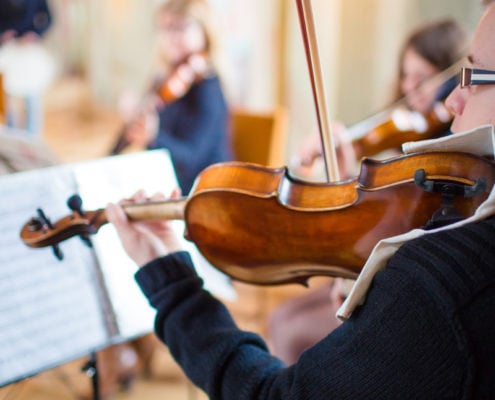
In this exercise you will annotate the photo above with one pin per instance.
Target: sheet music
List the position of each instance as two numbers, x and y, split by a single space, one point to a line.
109 180
55 311
50 311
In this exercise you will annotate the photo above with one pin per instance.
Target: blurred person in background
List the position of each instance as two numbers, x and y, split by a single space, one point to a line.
186 112
26 66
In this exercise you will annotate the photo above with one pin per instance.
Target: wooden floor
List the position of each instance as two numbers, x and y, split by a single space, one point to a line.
77 129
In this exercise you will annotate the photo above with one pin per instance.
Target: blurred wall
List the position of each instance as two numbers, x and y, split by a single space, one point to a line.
109 43
360 43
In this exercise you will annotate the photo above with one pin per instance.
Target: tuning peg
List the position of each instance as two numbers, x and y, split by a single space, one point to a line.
57 252
43 219
42 222
74 202
86 241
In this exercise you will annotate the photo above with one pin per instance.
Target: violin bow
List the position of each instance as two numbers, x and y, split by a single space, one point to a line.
306 21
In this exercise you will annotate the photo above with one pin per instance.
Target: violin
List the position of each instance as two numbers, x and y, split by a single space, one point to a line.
400 125
391 128
194 69
260 225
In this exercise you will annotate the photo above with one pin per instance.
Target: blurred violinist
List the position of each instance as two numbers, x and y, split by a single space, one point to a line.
423 329
419 112
26 66
26 20
186 112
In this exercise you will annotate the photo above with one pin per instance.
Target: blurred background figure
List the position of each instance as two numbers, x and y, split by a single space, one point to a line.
417 112
26 66
185 111
24 19
429 50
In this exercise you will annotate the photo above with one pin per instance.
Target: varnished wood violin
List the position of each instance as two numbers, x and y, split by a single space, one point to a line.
260 225
176 85
399 126
391 128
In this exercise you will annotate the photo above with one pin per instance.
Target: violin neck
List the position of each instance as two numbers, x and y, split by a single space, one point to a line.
157 210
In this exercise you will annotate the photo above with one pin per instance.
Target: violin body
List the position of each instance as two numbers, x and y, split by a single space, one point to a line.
261 226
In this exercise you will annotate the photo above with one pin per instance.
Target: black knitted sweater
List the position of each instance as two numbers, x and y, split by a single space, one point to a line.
425 331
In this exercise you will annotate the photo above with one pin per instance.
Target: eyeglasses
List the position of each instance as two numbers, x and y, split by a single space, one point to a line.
473 76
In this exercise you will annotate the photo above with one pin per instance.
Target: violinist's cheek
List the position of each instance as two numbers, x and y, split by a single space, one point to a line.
469 105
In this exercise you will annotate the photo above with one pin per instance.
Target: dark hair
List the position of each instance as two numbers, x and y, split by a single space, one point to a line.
441 43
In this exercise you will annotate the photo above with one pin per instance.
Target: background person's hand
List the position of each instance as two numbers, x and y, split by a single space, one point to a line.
309 161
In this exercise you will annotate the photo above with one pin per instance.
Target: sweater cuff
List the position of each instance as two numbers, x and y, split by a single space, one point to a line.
160 272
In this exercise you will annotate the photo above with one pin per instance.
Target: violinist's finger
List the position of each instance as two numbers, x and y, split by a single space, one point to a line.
116 215
176 193
158 196
137 197
339 133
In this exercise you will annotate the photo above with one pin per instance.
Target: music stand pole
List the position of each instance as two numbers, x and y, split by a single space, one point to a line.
90 368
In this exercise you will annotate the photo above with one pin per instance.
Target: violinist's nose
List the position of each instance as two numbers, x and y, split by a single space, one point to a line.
456 101
409 84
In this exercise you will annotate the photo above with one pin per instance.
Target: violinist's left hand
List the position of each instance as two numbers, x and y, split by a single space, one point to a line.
143 241
143 129
310 151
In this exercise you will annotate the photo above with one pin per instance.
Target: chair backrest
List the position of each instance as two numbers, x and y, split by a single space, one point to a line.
259 137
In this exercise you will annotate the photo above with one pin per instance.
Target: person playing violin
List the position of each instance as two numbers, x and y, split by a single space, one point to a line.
428 50
426 327
193 126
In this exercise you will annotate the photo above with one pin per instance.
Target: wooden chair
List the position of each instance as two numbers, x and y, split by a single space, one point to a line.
259 137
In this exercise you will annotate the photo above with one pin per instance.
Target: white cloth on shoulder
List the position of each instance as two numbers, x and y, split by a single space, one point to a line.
479 141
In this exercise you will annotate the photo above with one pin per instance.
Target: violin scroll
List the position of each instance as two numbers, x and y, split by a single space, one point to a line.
39 231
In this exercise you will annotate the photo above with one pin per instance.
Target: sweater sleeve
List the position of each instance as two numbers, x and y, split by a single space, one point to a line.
388 349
